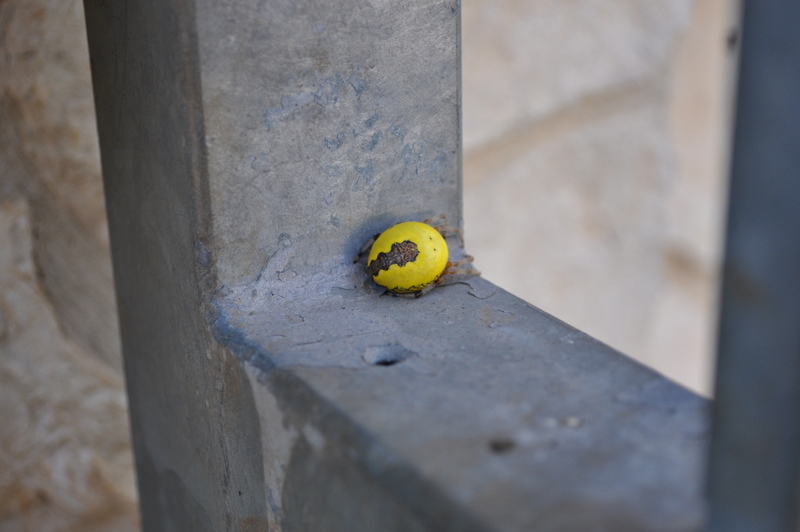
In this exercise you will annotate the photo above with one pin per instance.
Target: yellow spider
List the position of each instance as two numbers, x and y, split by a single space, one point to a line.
413 258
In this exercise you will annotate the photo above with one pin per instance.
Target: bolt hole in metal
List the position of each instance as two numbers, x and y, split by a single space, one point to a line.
501 445
386 355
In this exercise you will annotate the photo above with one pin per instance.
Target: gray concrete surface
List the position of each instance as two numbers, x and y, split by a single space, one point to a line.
249 149
466 401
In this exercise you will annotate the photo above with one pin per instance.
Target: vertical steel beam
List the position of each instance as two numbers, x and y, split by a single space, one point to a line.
755 450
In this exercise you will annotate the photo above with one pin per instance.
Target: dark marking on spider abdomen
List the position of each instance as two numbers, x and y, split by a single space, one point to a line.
400 254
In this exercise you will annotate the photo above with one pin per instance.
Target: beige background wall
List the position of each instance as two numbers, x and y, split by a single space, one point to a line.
594 136
65 460
594 140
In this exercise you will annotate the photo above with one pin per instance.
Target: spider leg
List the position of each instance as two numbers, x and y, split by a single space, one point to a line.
365 248
456 269
453 269
436 220
453 265
447 230
440 224
427 289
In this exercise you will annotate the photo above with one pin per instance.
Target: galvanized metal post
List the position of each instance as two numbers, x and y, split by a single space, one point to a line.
755 449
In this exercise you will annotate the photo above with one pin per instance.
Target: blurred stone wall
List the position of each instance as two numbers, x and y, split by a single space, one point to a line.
594 139
594 149
65 459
